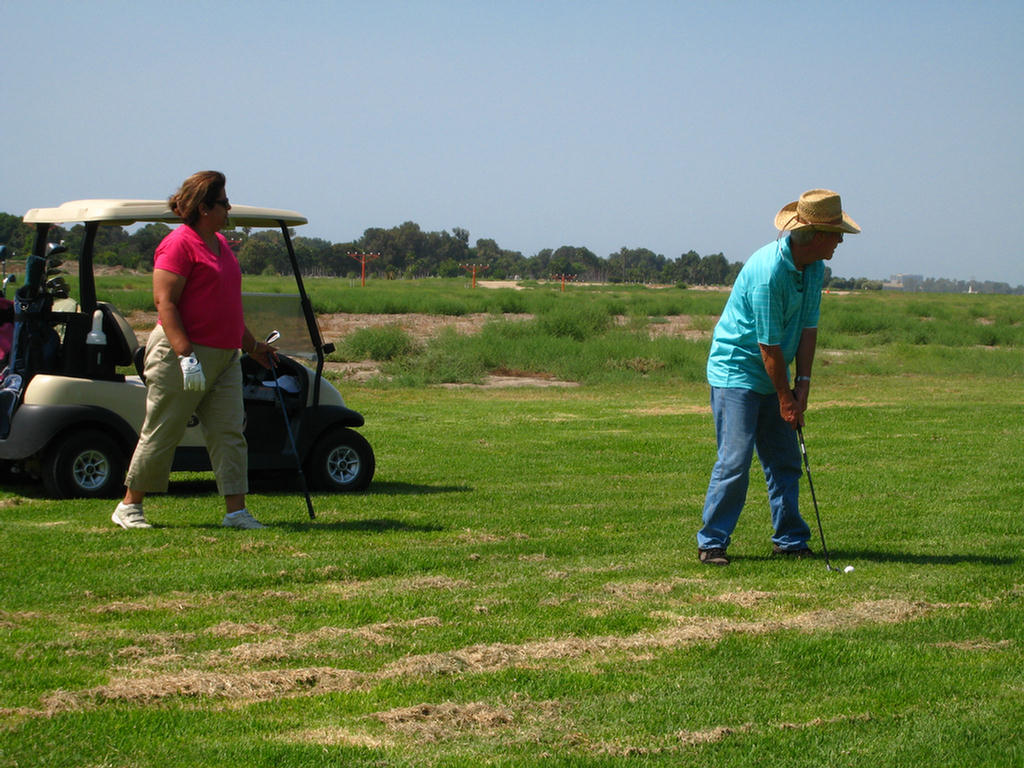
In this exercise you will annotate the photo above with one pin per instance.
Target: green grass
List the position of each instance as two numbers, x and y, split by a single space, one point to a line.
441 296
579 338
519 587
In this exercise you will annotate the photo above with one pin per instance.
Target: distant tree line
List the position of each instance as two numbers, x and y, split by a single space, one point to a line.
917 284
407 252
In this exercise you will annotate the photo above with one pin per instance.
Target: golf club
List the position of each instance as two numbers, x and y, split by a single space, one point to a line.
3 271
271 338
810 483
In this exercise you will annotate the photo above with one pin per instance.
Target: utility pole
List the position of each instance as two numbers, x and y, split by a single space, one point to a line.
563 278
362 258
473 268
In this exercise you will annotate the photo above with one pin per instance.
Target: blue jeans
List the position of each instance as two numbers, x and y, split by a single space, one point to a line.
745 420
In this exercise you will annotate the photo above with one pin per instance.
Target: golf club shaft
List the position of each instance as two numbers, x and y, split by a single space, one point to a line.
810 484
291 437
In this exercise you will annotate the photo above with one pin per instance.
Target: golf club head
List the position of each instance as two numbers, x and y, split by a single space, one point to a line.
58 288
273 336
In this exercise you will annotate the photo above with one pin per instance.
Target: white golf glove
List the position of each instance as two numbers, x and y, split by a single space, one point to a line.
192 372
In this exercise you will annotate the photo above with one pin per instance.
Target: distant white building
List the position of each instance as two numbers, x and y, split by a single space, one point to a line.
903 282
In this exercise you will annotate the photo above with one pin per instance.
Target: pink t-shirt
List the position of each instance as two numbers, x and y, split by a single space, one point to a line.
211 303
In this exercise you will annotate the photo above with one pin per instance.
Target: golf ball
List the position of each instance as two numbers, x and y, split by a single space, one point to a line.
848 569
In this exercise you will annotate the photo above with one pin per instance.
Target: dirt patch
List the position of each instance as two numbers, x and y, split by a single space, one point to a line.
515 286
494 381
420 327
423 327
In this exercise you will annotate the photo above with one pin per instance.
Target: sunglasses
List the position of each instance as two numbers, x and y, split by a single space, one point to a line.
223 202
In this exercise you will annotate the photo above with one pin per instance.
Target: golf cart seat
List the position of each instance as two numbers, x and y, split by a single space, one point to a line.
121 341
139 359
119 349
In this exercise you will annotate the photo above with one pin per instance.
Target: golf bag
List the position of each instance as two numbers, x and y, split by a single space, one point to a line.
34 343
6 329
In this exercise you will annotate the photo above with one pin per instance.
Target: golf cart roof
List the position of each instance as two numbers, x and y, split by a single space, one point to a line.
125 212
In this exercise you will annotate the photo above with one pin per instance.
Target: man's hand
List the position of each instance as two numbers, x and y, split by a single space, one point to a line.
192 373
792 403
801 392
791 410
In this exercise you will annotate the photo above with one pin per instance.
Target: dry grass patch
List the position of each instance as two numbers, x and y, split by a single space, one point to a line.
249 686
633 591
233 629
12 619
669 410
692 738
469 536
275 644
980 644
434 722
669 744
818 722
337 737
449 720
745 598
290 645
175 602
433 582
476 659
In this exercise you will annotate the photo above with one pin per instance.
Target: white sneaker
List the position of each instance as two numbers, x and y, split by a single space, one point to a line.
130 516
241 519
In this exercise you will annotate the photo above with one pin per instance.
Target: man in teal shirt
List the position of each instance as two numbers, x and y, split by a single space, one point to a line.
770 320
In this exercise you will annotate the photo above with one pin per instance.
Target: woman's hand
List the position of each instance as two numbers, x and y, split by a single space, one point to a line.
262 352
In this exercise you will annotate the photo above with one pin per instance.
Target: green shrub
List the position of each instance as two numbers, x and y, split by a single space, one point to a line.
574 322
380 344
447 359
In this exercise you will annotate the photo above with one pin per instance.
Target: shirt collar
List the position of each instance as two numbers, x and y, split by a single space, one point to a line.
787 254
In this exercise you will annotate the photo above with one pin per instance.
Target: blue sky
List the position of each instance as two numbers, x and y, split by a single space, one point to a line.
666 125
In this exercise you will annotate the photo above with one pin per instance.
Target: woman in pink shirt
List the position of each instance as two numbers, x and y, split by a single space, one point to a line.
192 356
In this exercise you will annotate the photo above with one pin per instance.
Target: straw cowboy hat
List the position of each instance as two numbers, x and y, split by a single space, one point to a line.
818 208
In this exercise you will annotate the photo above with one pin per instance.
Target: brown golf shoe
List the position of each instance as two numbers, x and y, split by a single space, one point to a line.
713 556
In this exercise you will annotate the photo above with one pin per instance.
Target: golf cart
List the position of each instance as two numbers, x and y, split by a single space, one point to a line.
73 397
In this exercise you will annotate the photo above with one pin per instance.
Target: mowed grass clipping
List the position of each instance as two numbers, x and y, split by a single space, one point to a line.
520 587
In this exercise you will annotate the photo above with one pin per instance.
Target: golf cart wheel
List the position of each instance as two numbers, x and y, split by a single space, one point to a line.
341 460
86 464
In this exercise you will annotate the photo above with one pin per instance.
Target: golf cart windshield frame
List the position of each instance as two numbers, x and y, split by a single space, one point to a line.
97 213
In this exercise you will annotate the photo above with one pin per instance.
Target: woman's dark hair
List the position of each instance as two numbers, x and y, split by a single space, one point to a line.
202 188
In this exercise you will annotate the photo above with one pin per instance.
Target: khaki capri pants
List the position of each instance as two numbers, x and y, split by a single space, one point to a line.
169 408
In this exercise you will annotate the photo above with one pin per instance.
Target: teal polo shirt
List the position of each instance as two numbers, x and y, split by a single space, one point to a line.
771 303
